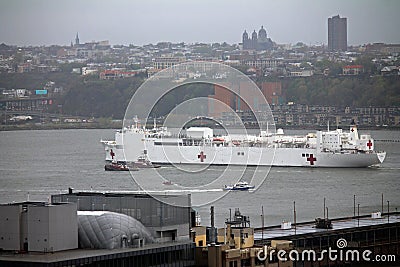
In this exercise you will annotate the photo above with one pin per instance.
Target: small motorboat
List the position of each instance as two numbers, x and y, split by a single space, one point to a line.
168 182
144 162
239 186
115 166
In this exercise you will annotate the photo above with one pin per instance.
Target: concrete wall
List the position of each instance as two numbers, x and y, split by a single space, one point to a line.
38 228
178 232
63 227
24 230
52 228
10 227
246 235
200 236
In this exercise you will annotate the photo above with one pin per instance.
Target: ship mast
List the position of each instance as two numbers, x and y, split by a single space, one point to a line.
135 119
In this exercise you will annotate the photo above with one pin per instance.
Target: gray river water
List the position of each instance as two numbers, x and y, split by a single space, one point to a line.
36 164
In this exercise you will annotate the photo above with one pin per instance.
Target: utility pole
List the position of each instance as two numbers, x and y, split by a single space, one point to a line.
262 222
294 217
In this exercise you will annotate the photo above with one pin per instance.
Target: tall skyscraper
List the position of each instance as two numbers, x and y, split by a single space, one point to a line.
337 33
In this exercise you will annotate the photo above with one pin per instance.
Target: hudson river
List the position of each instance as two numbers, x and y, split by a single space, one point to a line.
36 164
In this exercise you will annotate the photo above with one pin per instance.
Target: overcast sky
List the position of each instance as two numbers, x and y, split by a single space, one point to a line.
45 22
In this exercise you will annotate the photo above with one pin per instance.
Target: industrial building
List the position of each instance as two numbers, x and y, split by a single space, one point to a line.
38 226
234 245
165 222
240 245
98 229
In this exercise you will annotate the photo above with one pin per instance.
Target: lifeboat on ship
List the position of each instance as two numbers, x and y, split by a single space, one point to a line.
218 140
236 142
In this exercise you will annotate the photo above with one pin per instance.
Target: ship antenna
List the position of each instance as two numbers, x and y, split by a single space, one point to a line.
135 119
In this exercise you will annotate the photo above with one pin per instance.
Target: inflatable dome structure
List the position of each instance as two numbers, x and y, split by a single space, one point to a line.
110 230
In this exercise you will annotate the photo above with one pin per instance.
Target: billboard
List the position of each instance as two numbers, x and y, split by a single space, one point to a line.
40 92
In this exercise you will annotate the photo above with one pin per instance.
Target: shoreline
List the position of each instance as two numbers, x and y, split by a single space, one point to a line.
24 127
27 127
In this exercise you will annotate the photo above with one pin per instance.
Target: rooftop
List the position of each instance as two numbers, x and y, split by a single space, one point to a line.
95 254
274 232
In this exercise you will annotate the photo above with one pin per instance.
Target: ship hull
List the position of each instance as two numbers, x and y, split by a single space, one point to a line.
282 157
237 155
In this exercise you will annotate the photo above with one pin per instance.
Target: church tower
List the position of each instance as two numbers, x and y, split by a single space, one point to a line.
254 38
77 39
245 36
245 40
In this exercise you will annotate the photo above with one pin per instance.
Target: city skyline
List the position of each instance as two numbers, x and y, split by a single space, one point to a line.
45 22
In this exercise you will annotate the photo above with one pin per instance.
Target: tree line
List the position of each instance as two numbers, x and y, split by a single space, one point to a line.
89 96
342 91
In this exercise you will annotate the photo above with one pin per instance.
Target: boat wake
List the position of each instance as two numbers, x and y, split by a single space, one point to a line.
172 191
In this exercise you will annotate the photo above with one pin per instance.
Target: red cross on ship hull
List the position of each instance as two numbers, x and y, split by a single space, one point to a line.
369 144
311 159
201 156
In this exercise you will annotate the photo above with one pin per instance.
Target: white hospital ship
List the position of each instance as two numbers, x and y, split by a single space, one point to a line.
199 145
